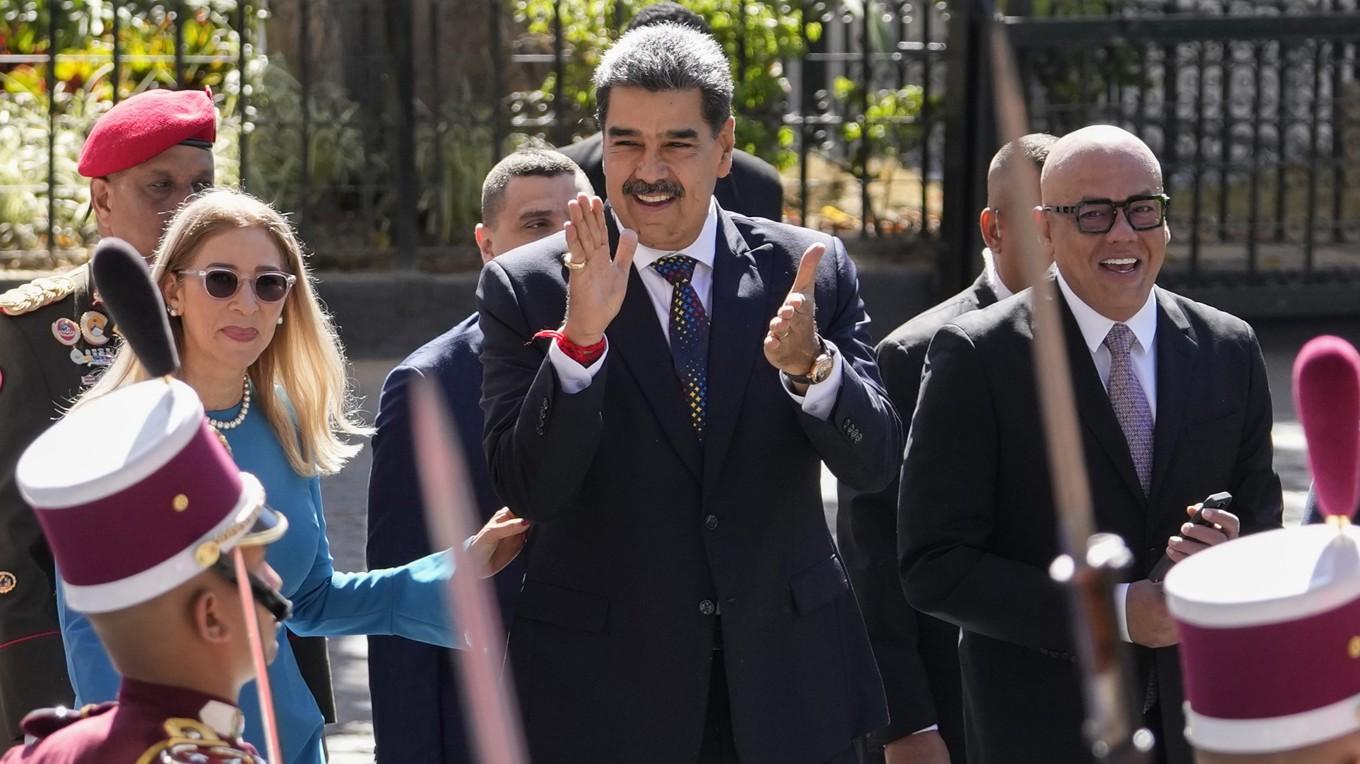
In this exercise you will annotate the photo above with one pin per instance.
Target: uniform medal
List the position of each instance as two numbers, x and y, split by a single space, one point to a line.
94 328
66 331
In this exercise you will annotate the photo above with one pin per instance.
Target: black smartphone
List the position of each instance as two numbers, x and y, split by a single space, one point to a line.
1220 500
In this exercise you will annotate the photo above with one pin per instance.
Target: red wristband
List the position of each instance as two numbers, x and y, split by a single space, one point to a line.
582 354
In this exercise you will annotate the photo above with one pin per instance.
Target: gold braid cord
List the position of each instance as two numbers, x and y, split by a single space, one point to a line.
193 741
35 294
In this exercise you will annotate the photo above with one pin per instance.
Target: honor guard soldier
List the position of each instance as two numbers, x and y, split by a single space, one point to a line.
143 157
144 531
1270 646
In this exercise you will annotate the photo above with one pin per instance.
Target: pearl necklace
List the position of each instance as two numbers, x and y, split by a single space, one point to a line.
235 421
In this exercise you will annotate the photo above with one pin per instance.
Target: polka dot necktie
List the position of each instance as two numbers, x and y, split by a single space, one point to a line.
688 334
1130 403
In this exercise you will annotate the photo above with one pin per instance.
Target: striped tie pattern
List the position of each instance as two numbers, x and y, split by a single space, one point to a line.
688 335
1130 403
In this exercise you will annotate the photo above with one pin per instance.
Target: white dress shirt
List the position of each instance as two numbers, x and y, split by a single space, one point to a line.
573 377
1143 354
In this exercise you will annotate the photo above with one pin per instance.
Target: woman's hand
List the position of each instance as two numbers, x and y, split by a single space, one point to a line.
498 542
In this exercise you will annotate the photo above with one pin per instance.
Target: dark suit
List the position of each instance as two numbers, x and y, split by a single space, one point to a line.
917 654
977 523
752 188
645 536
417 709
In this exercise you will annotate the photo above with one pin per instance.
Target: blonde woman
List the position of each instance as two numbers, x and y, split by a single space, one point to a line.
262 354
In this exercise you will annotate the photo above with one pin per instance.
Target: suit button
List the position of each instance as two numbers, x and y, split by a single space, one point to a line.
706 607
711 522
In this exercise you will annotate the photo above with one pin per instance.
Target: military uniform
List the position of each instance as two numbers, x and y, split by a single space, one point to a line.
150 724
55 338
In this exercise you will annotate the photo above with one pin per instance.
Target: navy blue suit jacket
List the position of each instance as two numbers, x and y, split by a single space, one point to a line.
416 706
645 537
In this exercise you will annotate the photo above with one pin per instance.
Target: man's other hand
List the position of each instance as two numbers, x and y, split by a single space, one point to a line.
1150 623
921 748
1196 538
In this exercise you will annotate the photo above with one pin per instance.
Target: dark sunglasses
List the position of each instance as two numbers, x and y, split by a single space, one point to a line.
223 283
277 604
1098 215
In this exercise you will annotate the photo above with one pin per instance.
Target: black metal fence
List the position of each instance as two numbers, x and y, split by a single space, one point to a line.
373 121
1253 108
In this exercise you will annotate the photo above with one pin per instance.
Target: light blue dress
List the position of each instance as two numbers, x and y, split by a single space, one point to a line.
406 601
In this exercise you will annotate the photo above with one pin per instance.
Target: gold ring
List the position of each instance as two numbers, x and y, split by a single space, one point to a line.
571 264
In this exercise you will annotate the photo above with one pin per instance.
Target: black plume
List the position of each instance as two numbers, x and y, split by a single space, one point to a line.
125 285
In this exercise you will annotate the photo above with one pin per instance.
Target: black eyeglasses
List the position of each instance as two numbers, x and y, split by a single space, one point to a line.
223 283
277 604
1098 215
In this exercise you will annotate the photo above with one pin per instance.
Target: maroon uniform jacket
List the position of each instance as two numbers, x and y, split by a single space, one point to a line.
150 724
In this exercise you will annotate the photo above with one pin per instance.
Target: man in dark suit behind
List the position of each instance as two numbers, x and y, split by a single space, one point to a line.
417 710
1187 414
752 188
684 600
917 653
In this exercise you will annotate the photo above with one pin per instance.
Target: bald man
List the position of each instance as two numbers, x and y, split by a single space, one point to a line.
1174 406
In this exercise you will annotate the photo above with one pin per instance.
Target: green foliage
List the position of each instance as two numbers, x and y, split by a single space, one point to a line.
79 88
757 37
348 177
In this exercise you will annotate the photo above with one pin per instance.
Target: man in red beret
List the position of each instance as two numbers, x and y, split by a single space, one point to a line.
143 157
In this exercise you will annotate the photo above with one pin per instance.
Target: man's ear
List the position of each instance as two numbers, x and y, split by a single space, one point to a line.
483 236
101 201
210 621
989 223
1042 228
727 139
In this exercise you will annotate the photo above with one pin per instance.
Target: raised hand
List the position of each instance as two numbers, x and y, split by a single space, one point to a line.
792 345
596 283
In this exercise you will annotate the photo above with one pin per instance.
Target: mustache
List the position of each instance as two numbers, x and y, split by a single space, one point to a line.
634 187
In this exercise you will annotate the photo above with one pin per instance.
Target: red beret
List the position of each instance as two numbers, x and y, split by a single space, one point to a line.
145 125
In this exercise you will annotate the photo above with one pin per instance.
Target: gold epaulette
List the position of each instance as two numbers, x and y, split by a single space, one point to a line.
27 298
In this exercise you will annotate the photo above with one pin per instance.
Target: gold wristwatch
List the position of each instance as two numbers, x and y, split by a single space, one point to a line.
822 366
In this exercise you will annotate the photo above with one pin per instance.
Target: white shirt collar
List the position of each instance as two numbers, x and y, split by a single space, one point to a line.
994 276
701 249
1094 326
224 719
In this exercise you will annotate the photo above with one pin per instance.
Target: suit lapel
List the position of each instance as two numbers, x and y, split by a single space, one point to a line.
1176 368
635 336
738 321
1093 403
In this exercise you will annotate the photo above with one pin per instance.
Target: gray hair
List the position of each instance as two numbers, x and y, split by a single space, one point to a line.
532 160
665 57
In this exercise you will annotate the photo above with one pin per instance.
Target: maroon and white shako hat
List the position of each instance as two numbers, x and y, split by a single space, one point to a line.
1270 639
136 495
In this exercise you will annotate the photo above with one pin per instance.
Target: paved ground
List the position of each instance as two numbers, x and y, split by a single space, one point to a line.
351 741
